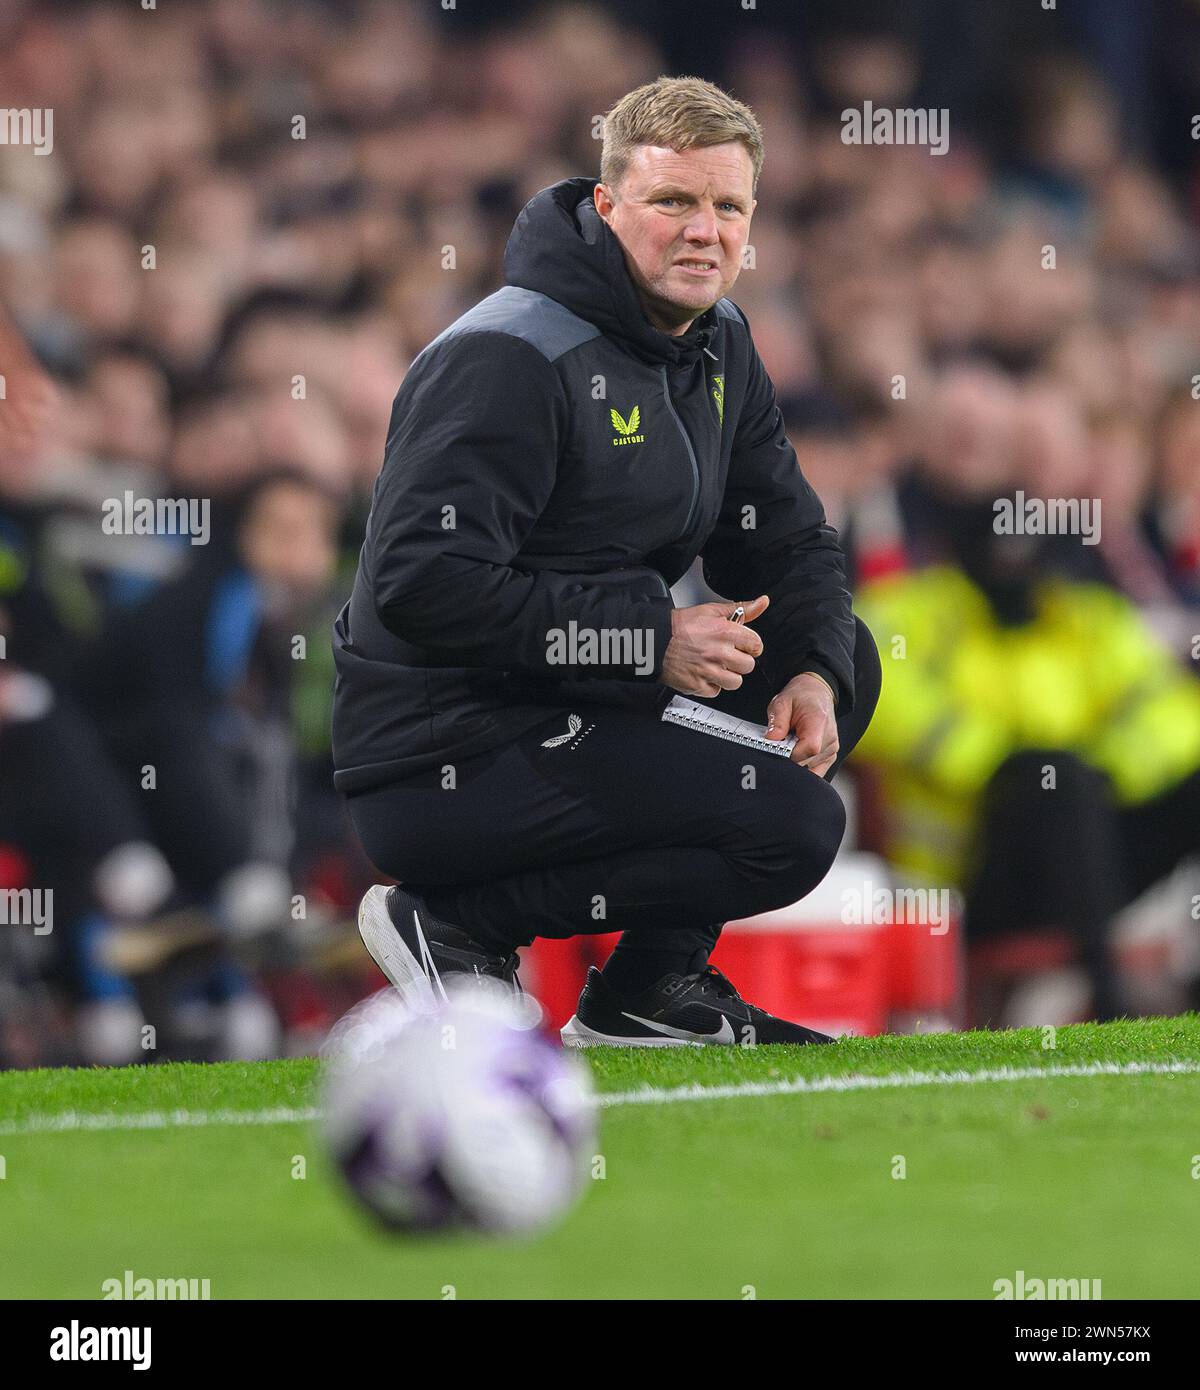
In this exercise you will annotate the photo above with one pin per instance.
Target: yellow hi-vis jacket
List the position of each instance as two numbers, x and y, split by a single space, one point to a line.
961 692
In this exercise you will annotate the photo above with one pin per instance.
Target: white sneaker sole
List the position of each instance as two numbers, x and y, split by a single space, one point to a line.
388 951
576 1034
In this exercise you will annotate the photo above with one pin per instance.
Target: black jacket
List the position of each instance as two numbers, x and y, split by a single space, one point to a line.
551 458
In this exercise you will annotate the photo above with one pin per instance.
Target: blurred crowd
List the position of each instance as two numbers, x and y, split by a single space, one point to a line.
252 218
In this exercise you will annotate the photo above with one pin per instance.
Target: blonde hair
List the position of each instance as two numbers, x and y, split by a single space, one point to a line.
676 113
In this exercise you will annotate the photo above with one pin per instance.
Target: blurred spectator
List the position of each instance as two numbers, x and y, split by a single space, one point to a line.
1177 503
257 214
194 682
1040 748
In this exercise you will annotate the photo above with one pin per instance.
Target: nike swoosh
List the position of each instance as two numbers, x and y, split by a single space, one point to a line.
426 961
724 1033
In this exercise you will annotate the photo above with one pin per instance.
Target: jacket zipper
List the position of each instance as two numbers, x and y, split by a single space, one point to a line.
687 525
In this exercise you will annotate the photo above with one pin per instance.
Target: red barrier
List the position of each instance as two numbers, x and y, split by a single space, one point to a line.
833 980
14 869
808 962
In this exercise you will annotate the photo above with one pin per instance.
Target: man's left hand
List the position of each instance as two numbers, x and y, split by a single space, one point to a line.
804 707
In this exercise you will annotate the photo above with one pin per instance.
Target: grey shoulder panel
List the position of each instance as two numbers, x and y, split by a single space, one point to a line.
725 310
542 322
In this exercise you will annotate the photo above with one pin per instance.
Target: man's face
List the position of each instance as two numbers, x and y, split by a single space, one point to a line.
682 219
289 541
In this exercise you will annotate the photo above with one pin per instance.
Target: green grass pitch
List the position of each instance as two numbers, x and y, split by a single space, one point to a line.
792 1194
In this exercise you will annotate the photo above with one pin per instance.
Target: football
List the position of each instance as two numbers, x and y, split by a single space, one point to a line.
463 1117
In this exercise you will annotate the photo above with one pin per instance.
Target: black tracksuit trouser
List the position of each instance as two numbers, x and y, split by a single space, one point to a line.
632 825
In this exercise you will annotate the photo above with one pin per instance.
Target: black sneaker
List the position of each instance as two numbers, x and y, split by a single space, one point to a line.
680 1011
414 949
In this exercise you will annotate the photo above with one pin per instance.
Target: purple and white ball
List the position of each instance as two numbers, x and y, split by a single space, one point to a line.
466 1116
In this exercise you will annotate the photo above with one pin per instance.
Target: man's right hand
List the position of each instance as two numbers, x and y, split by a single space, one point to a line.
707 653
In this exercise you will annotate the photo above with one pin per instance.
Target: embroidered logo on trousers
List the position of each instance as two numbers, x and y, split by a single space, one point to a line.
574 728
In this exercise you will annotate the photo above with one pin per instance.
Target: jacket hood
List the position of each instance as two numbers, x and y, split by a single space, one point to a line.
562 248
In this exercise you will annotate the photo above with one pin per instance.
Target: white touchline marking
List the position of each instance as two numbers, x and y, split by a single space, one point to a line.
801 1085
69 1120
74 1120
